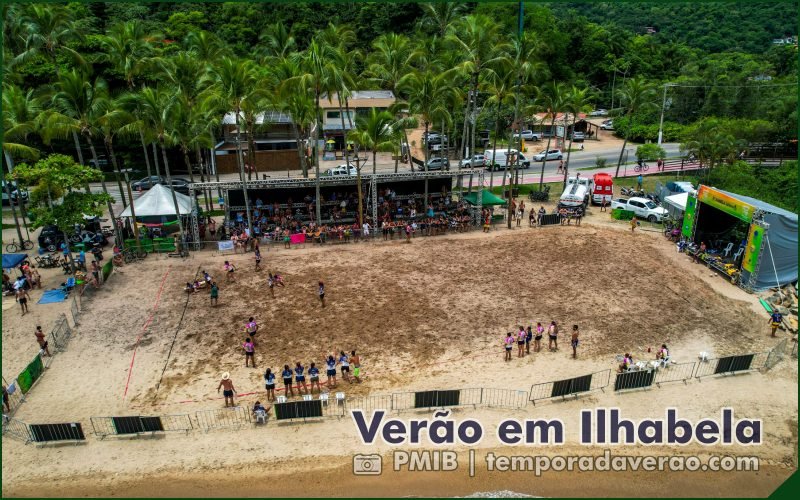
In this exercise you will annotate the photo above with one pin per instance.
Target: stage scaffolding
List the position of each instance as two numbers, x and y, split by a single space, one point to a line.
371 183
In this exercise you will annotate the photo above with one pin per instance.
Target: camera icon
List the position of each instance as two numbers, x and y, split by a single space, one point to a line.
367 465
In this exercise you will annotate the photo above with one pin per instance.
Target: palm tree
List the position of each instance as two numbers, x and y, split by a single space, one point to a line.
157 108
437 17
551 98
112 116
79 103
315 62
575 102
276 42
479 41
292 98
233 80
635 95
711 144
48 29
21 112
499 86
128 49
428 95
374 132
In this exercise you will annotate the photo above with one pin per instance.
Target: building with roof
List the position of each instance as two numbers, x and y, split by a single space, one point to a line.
275 143
359 103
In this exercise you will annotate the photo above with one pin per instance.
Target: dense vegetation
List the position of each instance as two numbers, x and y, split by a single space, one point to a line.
149 83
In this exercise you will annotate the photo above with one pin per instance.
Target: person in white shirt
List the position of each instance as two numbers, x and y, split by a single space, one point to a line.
365 229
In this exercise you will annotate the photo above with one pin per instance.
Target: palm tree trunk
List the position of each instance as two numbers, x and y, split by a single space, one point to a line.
546 149
117 234
146 156
174 197
241 173
361 200
494 146
117 172
203 169
624 144
251 151
155 159
213 156
77 142
425 200
315 158
569 151
10 165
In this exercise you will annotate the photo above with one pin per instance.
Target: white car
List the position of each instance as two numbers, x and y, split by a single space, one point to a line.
607 125
552 154
528 135
475 161
342 170
578 136
641 207
599 112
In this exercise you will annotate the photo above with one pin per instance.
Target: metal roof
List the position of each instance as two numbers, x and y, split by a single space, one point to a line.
268 117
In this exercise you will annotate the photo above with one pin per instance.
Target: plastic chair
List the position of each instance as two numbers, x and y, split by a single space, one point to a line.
261 416
282 399
727 249
324 399
738 254
339 398
307 397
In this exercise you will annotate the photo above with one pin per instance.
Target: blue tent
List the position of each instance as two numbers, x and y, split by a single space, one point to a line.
12 260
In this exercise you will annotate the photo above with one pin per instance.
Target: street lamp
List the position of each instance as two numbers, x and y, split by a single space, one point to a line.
126 171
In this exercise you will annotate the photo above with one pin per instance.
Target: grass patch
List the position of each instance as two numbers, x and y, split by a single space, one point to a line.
525 189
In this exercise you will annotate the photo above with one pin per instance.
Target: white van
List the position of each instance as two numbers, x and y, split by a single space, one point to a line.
498 161
574 195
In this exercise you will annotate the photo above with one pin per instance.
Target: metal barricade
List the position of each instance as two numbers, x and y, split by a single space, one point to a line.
570 387
639 379
137 425
13 396
470 397
674 372
222 417
60 334
504 398
75 310
731 364
16 428
369 403
776 354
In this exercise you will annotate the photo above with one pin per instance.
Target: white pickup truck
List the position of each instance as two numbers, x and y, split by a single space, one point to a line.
642 207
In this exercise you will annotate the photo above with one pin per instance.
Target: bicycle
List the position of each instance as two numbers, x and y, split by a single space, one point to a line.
133 254
641 167
16 247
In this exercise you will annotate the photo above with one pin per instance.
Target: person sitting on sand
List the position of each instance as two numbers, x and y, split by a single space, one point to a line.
662 353
189 288
207 277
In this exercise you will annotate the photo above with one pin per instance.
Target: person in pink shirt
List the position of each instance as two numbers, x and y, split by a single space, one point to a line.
249 353
521 342
509 344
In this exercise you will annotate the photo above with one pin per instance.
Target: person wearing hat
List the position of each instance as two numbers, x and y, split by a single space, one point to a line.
228 390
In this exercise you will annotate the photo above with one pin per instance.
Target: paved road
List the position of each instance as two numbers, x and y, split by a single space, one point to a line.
578 160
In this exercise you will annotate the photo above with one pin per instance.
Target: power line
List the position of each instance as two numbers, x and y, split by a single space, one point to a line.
733 86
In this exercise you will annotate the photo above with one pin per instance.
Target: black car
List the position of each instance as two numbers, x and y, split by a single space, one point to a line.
147 183
180 185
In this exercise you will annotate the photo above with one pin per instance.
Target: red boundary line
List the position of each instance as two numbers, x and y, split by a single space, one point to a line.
144 329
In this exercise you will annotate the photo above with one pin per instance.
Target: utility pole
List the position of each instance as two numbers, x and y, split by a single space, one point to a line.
663 107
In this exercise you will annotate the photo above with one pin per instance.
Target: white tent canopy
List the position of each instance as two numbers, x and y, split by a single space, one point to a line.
676 204
158 201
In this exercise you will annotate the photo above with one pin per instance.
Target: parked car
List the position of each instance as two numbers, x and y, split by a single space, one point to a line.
475 161
641 207
607 125
438 163
342 169
528 135
101 164
15 193
147 183
434 138
578 136
599 112
181 186
552 154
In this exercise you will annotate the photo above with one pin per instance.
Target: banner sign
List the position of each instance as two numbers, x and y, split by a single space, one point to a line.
298 238
726 203
753 249
224 245
688 217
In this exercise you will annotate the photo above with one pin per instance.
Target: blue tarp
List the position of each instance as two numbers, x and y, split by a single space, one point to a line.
51 296
12 260
779 250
